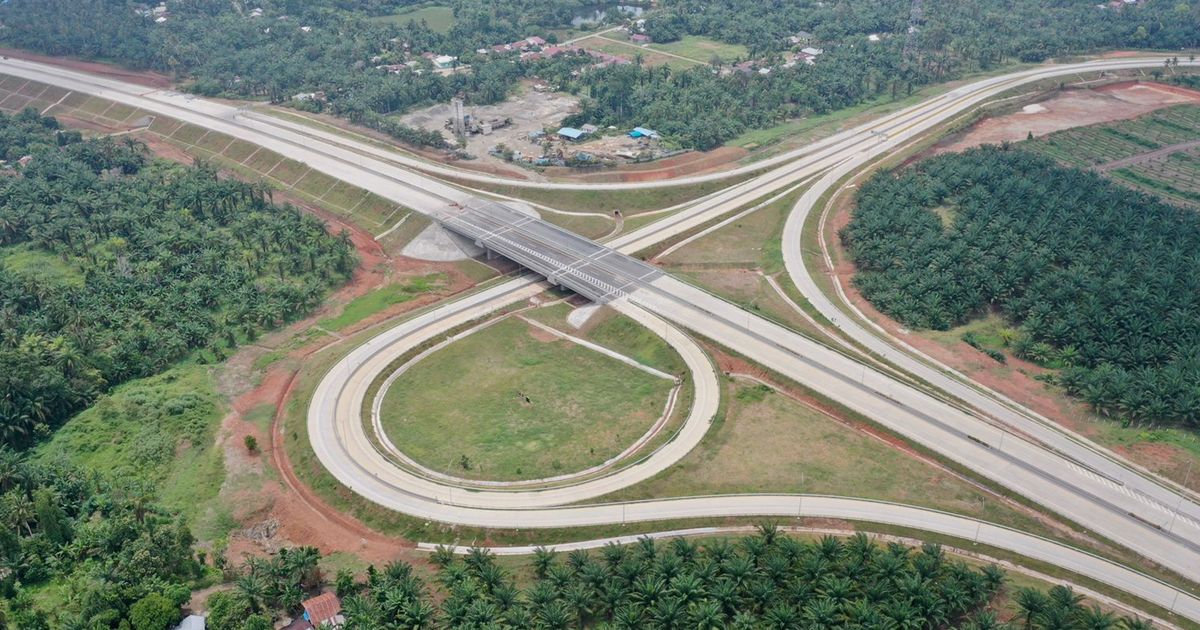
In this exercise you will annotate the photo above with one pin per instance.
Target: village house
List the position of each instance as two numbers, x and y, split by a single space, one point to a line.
803 37
324 611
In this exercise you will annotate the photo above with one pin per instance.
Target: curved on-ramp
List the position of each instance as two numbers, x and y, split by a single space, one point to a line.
1165 503
340 440
457 505
342 443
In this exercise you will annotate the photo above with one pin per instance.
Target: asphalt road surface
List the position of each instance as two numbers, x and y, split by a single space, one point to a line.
1051 476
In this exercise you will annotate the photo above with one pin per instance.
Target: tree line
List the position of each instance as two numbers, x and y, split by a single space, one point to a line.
1103 281
217 49
63 523
768 580
156 260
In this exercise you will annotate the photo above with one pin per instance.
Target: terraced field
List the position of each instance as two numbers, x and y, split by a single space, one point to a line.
1159 152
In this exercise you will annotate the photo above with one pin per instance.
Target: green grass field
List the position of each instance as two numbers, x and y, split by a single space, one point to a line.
526 405
27 261
161 429
439 18
810 452
702 49
364 306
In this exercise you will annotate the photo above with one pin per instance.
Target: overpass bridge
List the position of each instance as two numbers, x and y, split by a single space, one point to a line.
599 273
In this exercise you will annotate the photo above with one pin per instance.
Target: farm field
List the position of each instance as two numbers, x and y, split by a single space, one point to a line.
703 49
439 18
1159 152
628 50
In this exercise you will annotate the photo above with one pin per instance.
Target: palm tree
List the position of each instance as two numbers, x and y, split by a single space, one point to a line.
1136 623
1092 618
543 559
442 556
984 620
253 587
361 613
1032 603
556 616
706 615
18 510
629 617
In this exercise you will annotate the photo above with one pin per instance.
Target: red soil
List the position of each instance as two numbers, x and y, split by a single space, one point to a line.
1071 108
145 77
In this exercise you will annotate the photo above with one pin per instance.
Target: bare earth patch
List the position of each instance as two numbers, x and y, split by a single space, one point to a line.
146 78
1071 108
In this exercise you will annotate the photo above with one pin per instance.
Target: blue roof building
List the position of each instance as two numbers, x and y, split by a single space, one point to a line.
571 133
642 132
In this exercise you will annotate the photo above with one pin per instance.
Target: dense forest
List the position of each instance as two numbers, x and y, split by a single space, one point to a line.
117 552
764 581
944 34
1103 281
114 266
333 46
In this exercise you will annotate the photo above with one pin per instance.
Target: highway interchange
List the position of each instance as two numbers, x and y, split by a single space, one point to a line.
994 438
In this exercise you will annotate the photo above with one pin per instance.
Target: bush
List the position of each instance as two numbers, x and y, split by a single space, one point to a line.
258 622
227 611
153 612
251 444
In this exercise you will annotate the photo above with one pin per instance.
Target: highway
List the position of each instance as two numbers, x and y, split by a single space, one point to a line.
1048 476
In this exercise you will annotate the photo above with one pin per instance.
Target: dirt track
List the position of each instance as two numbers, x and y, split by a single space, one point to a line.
1152 156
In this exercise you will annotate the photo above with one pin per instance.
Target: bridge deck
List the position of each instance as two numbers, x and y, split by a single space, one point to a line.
597 272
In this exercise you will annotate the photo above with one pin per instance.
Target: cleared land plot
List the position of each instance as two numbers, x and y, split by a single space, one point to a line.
752 242
519 403
629 50
703 49
1172 174
439 18
593 227
629 202
30 262
1072 108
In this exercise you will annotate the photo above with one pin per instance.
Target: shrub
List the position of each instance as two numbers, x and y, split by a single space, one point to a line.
153 612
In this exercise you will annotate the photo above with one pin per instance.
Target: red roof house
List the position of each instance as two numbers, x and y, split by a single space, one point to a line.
324 611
